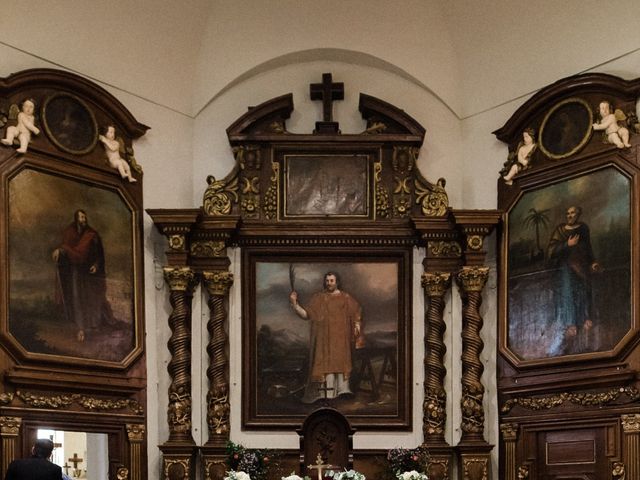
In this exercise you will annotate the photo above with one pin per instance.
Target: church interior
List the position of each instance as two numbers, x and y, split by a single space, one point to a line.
324 234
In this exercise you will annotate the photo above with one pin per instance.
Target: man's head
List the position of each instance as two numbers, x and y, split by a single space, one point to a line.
573 215
42 448
331 282
80 217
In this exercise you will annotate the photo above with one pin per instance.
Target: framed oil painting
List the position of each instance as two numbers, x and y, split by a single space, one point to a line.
566 128
327 185
326 329
69 123
569 253
71 270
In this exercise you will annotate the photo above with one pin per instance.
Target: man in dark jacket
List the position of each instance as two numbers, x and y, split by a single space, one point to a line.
36 467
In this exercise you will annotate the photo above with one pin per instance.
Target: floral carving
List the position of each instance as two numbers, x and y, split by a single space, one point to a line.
218 196
585 399
433 198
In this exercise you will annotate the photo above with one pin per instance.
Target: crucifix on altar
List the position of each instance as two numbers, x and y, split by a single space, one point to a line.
327 91
321 467
75 460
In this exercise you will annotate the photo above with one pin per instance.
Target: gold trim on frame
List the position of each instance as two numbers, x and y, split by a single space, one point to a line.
584 140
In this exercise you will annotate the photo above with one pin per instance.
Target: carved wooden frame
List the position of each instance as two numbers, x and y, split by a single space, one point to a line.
90 393
264 411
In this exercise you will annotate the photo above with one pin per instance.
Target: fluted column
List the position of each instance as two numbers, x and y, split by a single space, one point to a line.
135 434
9 430
509 436
631 429
179 450
436 285
473 449
217 284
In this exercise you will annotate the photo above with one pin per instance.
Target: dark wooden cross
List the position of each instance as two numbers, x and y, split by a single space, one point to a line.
327 91
75 460
66 467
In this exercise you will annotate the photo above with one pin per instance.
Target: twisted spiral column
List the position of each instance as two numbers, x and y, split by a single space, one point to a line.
435 285
218 284
181 281
471 281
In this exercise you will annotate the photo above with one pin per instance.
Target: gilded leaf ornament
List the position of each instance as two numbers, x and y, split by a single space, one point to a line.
218 196
433 199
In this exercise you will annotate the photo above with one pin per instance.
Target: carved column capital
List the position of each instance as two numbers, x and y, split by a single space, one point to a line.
631 423
218 282
436 284
10 426
181 279
135 432
472 279
509 432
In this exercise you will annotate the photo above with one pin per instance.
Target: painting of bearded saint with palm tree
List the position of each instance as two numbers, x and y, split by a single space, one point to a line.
568 267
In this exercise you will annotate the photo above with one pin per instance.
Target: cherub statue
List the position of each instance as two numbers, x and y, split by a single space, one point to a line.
616 134
113 148
24 128
518 160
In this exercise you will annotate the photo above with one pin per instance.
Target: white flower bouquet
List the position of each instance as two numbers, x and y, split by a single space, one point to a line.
233 475
293 476
412 475
345 475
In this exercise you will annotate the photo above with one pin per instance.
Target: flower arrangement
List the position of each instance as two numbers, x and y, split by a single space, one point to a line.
293 476
249 463
412 475
233 475
407 463
344 475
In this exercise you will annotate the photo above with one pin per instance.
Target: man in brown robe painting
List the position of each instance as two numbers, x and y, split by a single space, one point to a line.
81 277
336 327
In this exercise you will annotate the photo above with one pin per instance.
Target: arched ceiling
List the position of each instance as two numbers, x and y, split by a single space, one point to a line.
472 55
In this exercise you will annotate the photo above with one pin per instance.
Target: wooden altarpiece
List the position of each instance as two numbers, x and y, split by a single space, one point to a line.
301 200
71 295
569 356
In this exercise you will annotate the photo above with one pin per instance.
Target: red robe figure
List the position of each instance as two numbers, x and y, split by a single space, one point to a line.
81 277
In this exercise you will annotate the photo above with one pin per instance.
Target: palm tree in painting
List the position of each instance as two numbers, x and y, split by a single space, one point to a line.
535 220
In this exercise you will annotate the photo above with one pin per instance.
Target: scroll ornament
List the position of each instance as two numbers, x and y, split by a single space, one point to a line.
433 199
218 195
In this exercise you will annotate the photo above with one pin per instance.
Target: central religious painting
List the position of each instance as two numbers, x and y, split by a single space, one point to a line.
328 329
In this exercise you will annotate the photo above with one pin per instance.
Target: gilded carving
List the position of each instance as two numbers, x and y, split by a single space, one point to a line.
436 284
631 423
523 472
179 410
435 416
40 401
473 279
404 159
180 279
182 467
472 411
248 157
438 468
6 398
218 195
402 205
211 465
218 283
278 127
176 242
618 472
382 195
585 399
135 432
208 248
270 206
250 205
250 185
509 431
475 468
88 403
433 198
122 473
375 128
445 249
218 410
10 426
474 242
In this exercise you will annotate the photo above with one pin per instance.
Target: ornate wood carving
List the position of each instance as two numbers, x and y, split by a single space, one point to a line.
436 285
9 431
136 435
218 284
509 435
631 429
